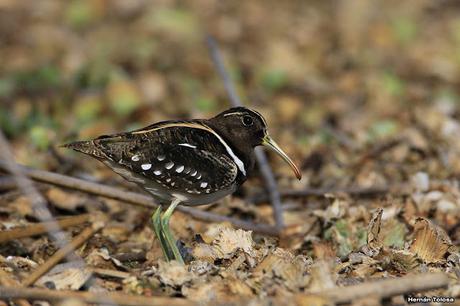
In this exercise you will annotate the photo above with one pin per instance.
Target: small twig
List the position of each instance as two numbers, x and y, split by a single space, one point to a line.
307 192
131 256
108 298
340 136
7 183
378 150
111 273
5 280
262 161
41 228
136 198
388 287
37 201
63 252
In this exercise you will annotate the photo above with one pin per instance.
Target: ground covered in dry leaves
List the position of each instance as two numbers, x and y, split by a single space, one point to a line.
363 95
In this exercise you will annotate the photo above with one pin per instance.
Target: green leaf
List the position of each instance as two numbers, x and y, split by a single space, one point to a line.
274 79
205 105
39 136
393 84
394 236
79 13
383 128
405 29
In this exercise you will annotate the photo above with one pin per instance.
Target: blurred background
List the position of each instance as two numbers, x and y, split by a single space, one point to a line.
337 80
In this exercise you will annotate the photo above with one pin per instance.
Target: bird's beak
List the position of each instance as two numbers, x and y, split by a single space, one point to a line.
269 142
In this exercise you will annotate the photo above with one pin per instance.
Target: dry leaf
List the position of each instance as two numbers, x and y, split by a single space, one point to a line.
321 276
403 261
373 230
63 277
285 266
173 273
229 241
323 250
64 200
430 242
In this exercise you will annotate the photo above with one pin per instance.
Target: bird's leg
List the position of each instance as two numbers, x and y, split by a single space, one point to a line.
157 229
167 232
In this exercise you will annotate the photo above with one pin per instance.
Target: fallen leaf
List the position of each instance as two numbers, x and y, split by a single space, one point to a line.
430 242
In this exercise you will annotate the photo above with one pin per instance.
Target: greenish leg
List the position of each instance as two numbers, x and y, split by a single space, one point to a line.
156 224
167 232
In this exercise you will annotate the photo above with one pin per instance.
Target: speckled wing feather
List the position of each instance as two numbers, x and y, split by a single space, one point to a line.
180 156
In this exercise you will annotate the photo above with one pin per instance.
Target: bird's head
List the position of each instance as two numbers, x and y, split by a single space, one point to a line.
247 128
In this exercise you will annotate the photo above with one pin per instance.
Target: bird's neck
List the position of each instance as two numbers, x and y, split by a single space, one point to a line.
244 152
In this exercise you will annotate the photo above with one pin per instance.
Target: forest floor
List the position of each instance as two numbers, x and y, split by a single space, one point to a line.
366 104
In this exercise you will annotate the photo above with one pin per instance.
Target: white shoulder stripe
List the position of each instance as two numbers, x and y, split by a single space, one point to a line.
195 125
187 145
235 158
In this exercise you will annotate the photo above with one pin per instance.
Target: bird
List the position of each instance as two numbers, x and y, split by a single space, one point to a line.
186 162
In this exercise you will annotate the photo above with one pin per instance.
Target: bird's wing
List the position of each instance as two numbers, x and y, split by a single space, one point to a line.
181 155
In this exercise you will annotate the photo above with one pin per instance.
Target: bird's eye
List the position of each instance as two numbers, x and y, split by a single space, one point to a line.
247 120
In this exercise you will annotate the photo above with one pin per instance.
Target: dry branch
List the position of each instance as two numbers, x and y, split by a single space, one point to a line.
5 280
37 201
41 228
307 192
109 298
262 161
388 287
136 198
63 252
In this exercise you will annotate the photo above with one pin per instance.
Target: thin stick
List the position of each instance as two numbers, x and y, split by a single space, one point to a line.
62 252
262 161
307 192
5 280
7 183
111 273
108 298
136 198
41 228
388 287
37 201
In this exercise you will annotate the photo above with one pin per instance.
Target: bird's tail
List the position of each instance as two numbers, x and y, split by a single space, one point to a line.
87 147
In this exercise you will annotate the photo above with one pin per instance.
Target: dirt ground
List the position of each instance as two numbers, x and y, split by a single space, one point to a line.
363 95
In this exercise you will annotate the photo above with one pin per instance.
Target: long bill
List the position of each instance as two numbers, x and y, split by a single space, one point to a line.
269 142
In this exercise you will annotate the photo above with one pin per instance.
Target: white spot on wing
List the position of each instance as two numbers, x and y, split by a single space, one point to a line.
168 180
135 158
146 166
198 177
169 165
161 157
187 145
157 172
203 185
194 173
180 169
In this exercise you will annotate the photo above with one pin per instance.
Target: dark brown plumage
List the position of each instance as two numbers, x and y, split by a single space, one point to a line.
190 162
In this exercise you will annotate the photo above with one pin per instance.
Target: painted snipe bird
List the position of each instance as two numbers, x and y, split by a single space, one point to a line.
187 162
